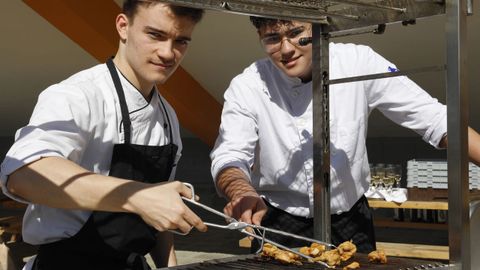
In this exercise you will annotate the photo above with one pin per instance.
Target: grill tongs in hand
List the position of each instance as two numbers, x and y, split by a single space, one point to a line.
234 224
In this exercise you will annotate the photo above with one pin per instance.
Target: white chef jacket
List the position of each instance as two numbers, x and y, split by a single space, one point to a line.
80 119
266 127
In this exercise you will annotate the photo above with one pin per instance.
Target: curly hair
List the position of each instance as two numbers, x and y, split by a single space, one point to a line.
260 22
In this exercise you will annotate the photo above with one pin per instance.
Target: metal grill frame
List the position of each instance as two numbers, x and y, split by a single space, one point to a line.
338 15
327 19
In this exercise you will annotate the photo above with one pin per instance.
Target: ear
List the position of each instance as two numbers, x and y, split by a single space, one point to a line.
122 26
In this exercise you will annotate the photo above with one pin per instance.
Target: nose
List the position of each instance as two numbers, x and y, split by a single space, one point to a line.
286 46
165 51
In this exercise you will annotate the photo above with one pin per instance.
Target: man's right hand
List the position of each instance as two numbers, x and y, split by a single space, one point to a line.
162 207
249 208
245 203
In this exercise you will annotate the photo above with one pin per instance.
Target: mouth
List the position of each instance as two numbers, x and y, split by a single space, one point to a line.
162 65
290 61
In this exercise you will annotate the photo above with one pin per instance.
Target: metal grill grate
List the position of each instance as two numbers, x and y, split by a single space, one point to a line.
254 262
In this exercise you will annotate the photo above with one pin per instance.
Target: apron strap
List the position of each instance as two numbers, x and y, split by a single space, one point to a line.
121 97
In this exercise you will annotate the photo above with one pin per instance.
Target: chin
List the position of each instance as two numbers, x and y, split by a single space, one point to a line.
293 73
161 78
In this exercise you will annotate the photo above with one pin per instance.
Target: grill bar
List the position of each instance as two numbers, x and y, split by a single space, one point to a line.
256 262
387 74
372 5
337 14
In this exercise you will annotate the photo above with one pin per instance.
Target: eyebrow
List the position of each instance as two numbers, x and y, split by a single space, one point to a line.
288 31
153 29
295 28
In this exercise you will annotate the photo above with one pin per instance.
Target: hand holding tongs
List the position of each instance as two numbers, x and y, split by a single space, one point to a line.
234 224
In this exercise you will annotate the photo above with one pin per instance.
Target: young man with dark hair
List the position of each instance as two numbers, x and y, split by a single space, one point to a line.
94 160
262 161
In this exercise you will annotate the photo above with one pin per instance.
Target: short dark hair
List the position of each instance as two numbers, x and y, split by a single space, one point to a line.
130 8
260 22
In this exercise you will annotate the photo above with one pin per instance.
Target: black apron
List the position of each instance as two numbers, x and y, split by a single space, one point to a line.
116 241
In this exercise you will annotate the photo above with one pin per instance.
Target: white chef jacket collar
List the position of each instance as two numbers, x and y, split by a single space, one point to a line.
133 95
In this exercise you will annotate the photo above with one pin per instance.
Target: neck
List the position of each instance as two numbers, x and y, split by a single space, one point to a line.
307 77
306 80
145 88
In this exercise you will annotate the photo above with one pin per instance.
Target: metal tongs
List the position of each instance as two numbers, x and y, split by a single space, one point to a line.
234 224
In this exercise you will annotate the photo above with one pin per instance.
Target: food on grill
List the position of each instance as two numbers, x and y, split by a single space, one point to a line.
353 265
377 256
269 250
342 253
318 252
282 256
287 257
314 250
347 250
330 257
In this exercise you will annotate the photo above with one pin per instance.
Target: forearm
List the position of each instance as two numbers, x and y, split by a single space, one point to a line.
57 182
60 183
473 145
233 182
244 202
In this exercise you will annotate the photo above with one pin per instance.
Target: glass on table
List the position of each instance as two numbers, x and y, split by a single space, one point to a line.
398 174
394 173
380 175
376 176
372 177
390 174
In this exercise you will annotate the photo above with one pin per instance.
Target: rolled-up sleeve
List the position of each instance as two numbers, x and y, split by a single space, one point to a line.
238 134
405 103
58 127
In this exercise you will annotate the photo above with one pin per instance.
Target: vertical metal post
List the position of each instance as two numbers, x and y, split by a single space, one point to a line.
321 132
457 110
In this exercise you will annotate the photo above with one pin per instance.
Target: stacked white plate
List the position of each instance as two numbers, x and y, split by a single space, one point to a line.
434 174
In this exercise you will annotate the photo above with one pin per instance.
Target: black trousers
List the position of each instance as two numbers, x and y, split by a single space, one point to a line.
355 225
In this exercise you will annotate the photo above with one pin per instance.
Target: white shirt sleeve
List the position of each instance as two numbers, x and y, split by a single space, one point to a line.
58 127
238 134
405 103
